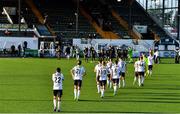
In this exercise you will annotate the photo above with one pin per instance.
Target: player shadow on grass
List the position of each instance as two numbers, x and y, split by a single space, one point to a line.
148 100
166 74
110 99
35 100
101 112
143 94
165 88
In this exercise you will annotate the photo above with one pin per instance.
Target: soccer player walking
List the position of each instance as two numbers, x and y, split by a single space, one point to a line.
77 74
135 71
96 70
150 64
141 71
57 79
109 65
115 74
102 73
122 65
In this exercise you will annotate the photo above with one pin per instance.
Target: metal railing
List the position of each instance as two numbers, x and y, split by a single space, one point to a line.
155 19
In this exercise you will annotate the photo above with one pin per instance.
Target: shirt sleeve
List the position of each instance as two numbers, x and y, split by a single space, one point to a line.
53 77
95 68
62 77
83 69
73 68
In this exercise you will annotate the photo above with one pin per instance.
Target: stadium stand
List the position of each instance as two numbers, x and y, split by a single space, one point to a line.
141 17
3 19
11 30
61 16
15 33
104 18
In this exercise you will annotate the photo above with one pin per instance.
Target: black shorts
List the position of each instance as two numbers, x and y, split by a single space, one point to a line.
58 93
150 67
136 74
123 74
86 56
102 82
141 73
115 81
78 83
108 75
97 78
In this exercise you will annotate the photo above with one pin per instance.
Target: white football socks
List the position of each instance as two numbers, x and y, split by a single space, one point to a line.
139 81
98 88
134 80
124 83
142 80
108 83
54 102
59 104
102 92
78 94
150 73
119 83
75 93
115 89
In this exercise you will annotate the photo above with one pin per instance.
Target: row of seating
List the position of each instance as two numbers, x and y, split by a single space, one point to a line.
102 14
62 17
138 16
17 34
3 20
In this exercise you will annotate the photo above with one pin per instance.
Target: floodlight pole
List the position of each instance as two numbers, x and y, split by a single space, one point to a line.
130 16
163 14
77 17
178 22
19 16
146 5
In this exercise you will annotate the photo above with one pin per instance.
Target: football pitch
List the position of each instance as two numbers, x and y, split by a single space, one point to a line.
26 87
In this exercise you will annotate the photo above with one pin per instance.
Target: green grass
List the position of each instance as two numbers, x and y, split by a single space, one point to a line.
26 86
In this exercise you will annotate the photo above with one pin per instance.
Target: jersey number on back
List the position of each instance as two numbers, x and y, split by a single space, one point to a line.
77 71
123 65
104 72
57 79
142 64
115 71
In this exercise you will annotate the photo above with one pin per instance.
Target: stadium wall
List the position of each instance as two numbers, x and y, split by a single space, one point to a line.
142 46
6 43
